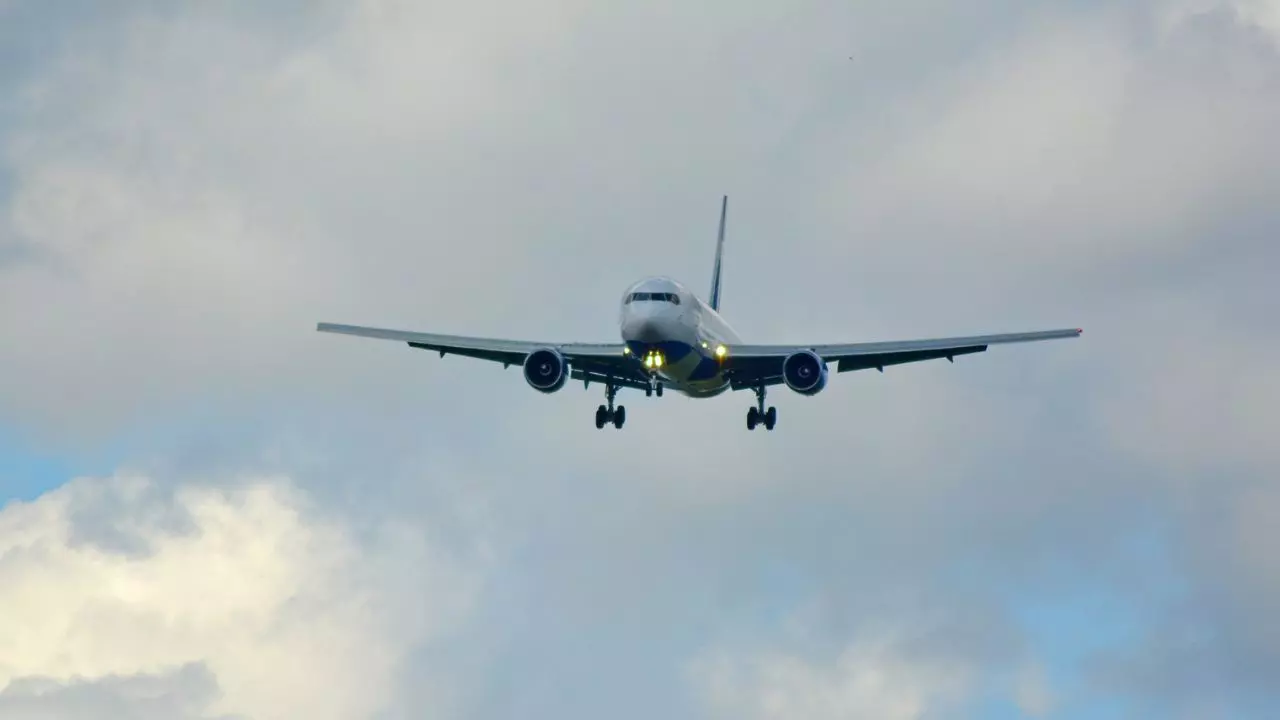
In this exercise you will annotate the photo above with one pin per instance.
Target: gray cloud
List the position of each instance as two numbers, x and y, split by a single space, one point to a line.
182 694
197 188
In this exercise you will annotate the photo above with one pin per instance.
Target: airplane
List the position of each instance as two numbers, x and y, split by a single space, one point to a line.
672 338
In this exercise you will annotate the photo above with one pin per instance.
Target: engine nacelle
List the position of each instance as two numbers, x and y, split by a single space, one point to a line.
546 370
804 372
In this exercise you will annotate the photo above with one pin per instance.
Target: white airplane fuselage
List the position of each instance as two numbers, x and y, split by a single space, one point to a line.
674 334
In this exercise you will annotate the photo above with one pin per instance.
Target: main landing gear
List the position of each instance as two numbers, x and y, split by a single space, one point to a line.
758 414
608 414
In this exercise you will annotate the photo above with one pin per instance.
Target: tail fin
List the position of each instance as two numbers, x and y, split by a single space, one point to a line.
714 298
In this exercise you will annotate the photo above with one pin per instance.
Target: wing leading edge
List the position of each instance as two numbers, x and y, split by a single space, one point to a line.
745 366
750 366
590 361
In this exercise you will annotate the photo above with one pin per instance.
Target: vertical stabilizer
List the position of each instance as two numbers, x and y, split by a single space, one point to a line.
714 298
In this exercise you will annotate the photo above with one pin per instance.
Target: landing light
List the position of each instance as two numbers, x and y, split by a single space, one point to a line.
721 350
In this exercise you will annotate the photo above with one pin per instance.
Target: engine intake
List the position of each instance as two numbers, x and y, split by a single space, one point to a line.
805 372
546 370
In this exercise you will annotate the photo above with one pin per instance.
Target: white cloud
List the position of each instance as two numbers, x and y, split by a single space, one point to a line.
289 610
190 183
1080 142
874 677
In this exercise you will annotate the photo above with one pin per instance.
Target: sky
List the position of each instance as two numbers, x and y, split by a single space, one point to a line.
209 510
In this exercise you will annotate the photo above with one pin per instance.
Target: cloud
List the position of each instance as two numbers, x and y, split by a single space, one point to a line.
183 694
1262 14
173 226
187 191
872 678
1084 144
275 608
1033 693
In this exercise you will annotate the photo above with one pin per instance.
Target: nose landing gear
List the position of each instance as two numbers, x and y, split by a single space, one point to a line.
608 414
655 385
758 415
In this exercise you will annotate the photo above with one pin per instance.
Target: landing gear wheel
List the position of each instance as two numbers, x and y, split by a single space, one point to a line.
770 418
753 418
659 389
607 413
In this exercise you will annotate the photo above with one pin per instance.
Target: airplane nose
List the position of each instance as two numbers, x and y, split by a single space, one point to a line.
644 329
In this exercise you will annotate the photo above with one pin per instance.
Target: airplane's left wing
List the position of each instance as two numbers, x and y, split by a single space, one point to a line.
589 361
749 366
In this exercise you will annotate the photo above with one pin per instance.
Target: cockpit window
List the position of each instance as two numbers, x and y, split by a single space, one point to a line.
662 297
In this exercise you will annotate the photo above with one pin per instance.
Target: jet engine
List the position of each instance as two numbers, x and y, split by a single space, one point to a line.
804 372
546 370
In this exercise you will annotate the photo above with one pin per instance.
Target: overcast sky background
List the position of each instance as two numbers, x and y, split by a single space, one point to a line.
212 511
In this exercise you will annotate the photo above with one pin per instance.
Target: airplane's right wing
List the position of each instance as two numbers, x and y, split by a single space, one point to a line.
596 362
750 366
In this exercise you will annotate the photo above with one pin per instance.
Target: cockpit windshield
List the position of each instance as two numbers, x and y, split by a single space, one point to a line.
653 297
